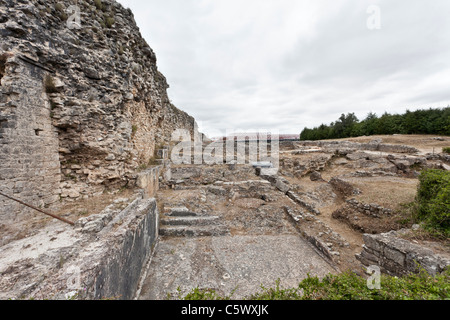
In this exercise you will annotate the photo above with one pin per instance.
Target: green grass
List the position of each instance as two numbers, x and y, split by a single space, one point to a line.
198 294
348 286
446 150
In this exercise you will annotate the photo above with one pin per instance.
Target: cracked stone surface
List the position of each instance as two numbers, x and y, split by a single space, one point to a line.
232 263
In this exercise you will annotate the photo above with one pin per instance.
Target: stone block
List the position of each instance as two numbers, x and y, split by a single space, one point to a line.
218 191
395 255
282 186
316 176
162 154
149 181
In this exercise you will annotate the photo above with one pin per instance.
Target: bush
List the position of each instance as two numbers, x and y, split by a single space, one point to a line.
98 4
59 7
446 150
109 21
434 200
349 286
49 84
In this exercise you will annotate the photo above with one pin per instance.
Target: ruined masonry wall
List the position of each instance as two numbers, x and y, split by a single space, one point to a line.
103 256
30 167
398 257
82 111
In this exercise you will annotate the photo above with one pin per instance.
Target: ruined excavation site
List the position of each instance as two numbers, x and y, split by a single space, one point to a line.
87 134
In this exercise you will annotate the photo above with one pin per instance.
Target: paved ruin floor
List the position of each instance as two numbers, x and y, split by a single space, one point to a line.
225 264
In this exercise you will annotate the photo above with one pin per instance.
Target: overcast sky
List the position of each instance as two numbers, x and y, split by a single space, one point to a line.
286 64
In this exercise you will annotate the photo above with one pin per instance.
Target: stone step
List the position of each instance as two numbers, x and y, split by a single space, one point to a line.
189 221
181 212
191 231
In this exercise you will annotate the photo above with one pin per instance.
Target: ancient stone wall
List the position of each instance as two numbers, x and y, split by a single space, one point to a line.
148 181
347 146
398 257
30 166
103 257
82 109
372 210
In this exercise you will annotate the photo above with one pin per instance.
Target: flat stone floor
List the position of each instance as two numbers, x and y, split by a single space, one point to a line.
242 263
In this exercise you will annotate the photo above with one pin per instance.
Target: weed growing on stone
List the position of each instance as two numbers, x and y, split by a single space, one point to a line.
49 84
98 4
109 21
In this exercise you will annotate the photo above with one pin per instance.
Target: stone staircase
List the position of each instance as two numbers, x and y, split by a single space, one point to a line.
180 222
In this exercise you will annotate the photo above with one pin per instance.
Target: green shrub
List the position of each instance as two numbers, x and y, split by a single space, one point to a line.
434 200
98 4
446 150
49 84
134 129
59 7
60 11
109 21
349 286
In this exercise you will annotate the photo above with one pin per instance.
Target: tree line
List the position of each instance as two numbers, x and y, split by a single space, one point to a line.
430 121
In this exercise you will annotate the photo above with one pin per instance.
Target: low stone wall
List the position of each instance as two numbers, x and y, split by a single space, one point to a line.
322 237
308 206
120 271
352 146
282 185
396 148
148 180
396 256
439 156
371 210
102 256
344 187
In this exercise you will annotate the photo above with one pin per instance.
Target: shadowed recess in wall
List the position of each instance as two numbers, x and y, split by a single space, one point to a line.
2 67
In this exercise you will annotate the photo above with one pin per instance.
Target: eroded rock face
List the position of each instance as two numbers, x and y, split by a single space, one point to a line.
82 108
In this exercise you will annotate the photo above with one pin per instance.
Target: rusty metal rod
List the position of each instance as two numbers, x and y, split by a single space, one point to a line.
34 208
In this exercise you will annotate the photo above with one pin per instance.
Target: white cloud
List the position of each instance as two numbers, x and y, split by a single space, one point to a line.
287 64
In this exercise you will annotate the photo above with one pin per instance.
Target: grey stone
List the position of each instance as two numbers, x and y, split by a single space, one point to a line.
109 263
316 176
218 191
282 186
399 256
395 255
